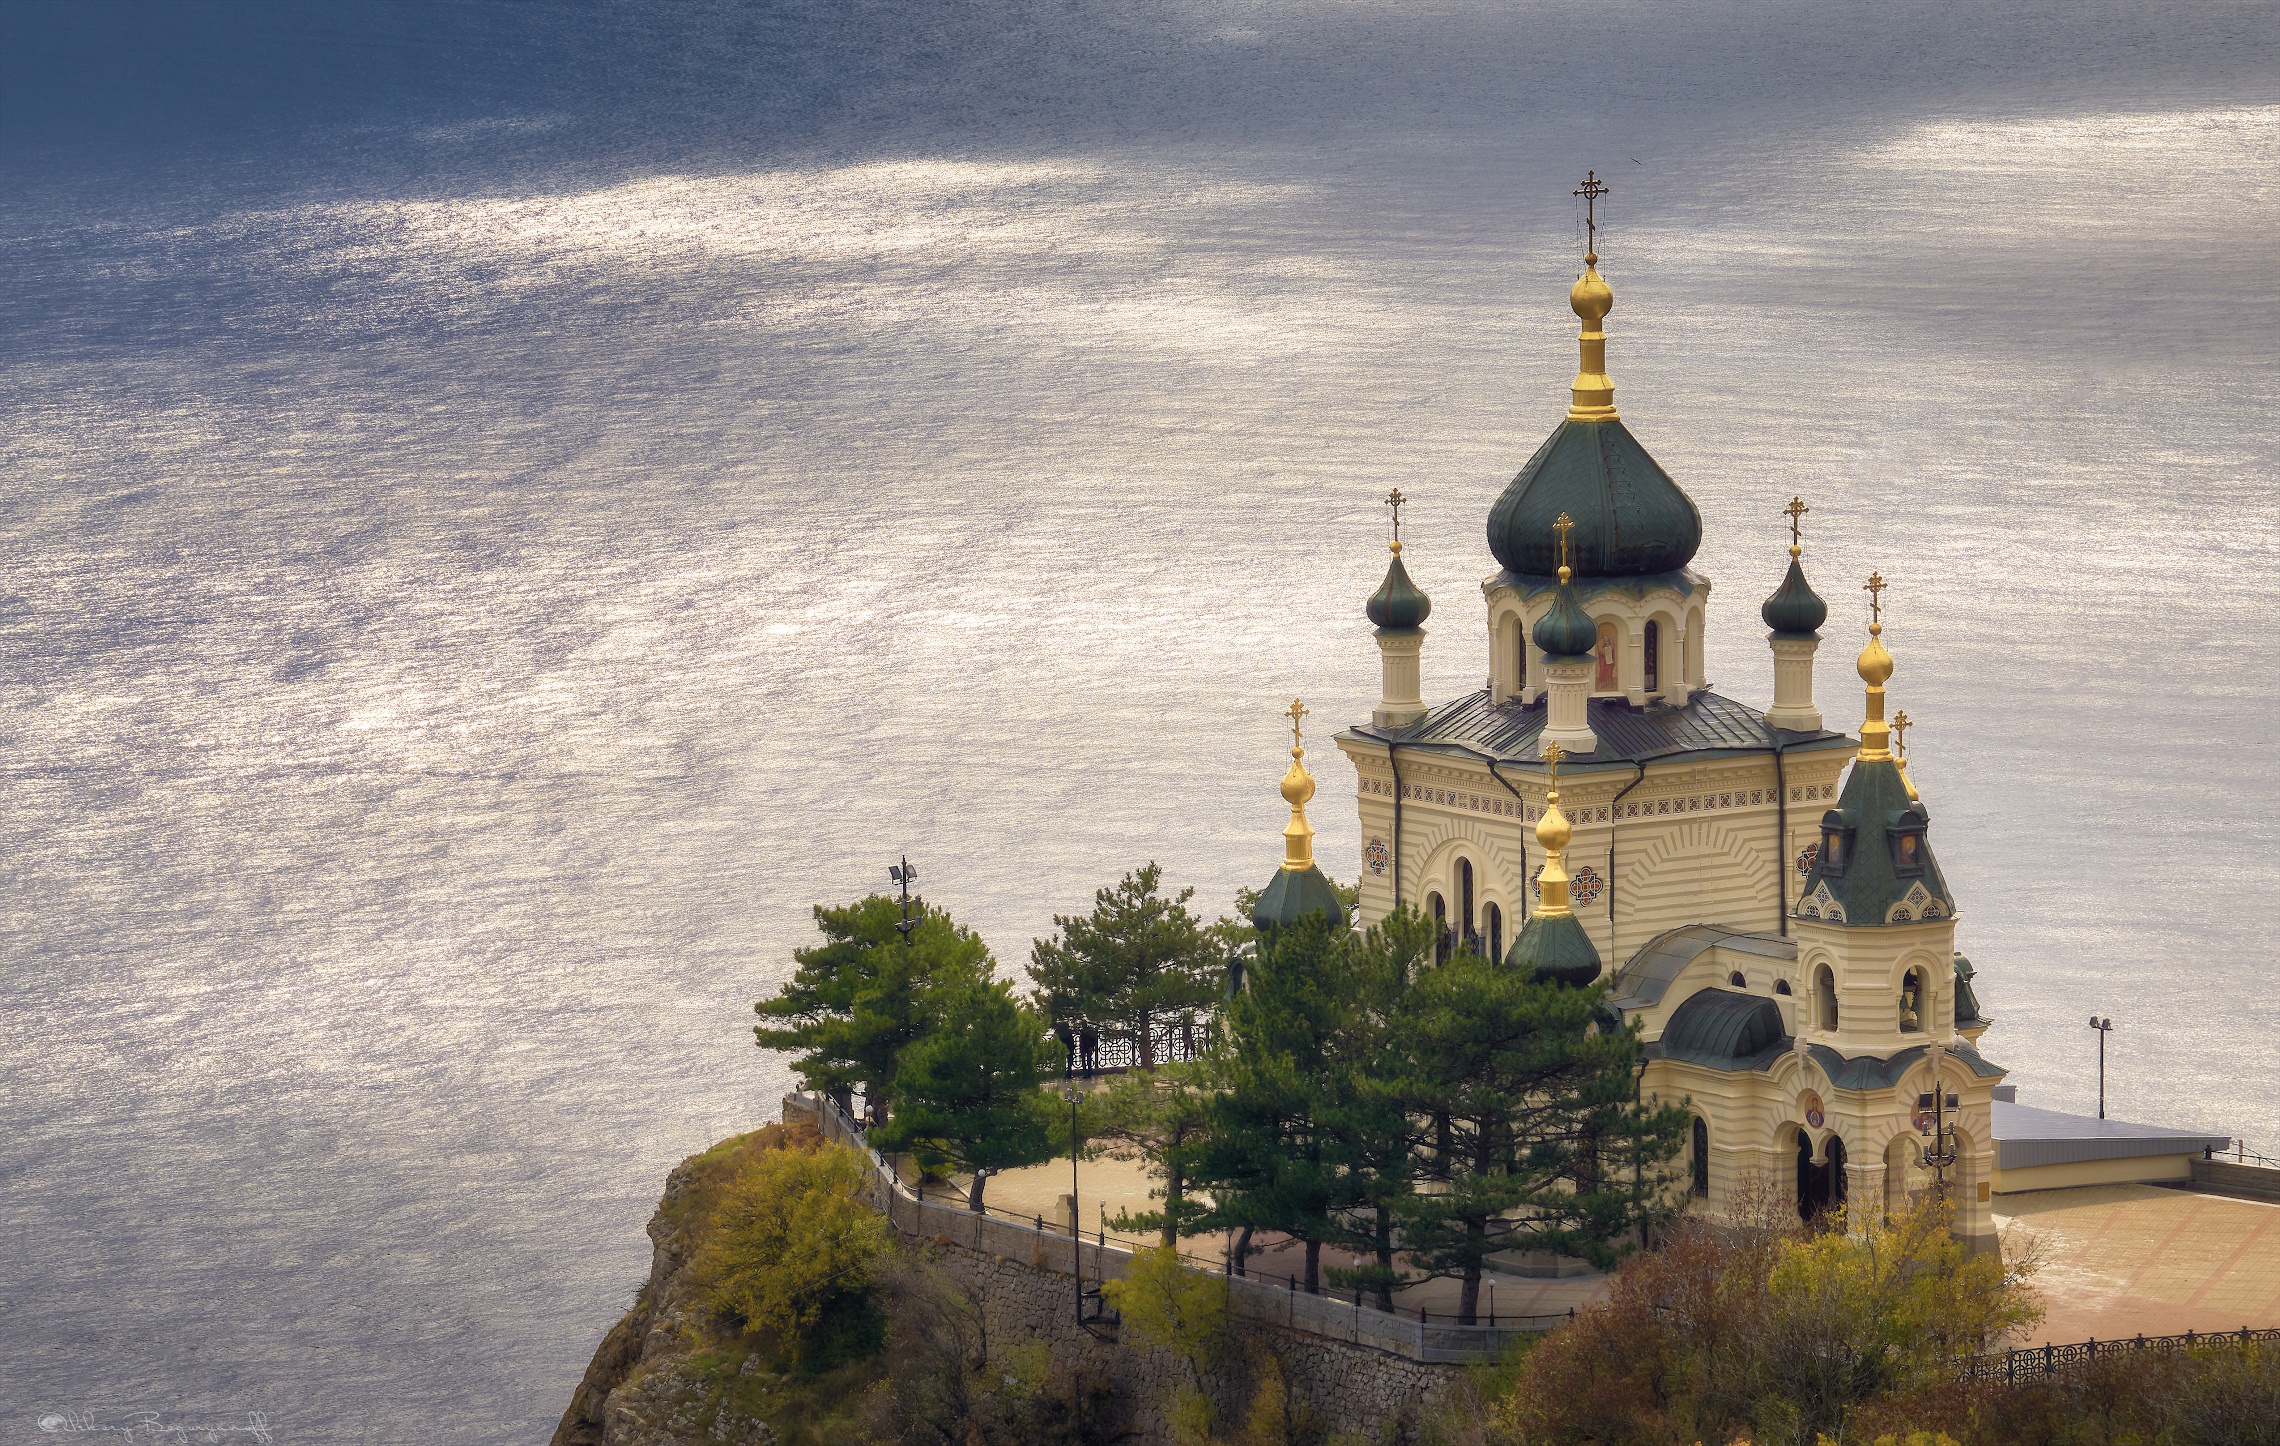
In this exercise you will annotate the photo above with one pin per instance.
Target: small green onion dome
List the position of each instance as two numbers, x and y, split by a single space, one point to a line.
1398 605
1554 948
1567 631
1292 895
1795 609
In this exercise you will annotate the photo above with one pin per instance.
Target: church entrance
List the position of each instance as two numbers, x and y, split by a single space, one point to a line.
1820 1188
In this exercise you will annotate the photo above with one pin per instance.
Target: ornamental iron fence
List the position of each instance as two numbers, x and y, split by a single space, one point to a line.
2034 1363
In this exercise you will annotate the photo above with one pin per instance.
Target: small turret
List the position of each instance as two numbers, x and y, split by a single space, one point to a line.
1398 610
1794 614
1567 635
1298 887
1552 944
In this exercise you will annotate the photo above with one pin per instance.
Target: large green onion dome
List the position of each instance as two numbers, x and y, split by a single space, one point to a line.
1631 519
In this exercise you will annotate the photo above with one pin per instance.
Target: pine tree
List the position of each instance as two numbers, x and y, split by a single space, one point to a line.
968 1088
1162 1116
1548 1147
855 1001
1137 958
1368 1092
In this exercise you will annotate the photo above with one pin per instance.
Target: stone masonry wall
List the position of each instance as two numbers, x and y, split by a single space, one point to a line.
1356 1389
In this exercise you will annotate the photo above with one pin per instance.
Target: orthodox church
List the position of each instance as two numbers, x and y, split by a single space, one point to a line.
1761 888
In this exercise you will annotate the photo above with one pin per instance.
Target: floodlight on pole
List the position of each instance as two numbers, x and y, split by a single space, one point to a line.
2104 1028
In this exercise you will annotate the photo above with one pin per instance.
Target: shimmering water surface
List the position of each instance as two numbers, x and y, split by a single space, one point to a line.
506 507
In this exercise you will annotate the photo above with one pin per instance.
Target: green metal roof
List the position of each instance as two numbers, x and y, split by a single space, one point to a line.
1630 517
1555 947
1293 894
1722 1027
1795 610
1874 809
1398 605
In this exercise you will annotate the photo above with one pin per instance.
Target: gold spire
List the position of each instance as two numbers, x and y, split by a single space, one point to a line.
1297 788
1796 510
1563 527
1553 832
1394 499
1900 722
1875 667
1592 299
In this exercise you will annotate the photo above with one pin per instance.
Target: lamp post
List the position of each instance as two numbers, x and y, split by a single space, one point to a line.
2104 1027
905 875
1939 1145
1069 1092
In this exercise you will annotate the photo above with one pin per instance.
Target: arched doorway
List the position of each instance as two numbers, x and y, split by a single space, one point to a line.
1820 1188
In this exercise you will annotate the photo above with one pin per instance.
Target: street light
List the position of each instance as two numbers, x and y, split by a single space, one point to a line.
1070 1093
904 874
2104 1027
1939 1145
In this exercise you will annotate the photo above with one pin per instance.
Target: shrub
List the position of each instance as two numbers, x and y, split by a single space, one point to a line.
789 1245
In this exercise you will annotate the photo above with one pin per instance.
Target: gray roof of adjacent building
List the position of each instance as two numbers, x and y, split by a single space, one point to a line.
1707 724
1648 974
2026 1137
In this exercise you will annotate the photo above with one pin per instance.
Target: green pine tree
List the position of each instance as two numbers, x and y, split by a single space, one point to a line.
1161 1116
857 1000
967 1090
1137 959
1547 1145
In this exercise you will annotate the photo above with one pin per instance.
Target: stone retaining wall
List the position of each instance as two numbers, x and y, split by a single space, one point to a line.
1362 1373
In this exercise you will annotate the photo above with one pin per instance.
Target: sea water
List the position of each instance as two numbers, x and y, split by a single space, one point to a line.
504 508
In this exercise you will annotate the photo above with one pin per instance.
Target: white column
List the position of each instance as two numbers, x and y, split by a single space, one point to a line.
1793 683
1567 712
1401 702
1631 666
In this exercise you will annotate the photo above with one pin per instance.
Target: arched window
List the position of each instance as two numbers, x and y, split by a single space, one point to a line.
1651 658
1494 918
1781 986
1701 1157
1912 1002
1465 896
1605 682
1738 980
1825 996
1440 912
1519 654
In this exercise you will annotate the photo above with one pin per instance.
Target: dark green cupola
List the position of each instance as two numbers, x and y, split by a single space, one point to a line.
1795 610
1553 945
1298 888
1398 605
1631 519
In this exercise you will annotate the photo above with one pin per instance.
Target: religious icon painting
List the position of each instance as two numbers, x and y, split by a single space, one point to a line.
1809 1104
1377 855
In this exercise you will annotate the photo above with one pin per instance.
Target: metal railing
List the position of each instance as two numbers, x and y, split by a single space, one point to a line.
1099 1256
2034 1363
1171 1041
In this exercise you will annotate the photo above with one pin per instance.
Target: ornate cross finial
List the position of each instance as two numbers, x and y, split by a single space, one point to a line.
1294 712
1796 510
1563 527
1900 722
1553 753
1591 190
1394 499
1874 587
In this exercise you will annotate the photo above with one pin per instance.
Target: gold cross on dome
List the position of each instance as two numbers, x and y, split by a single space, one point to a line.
1796 510
1591 190
1563 527
1394 499
1900 722
1294 712
1553 753
1874 587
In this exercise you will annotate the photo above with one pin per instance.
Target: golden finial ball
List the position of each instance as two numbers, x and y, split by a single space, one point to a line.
1591 297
